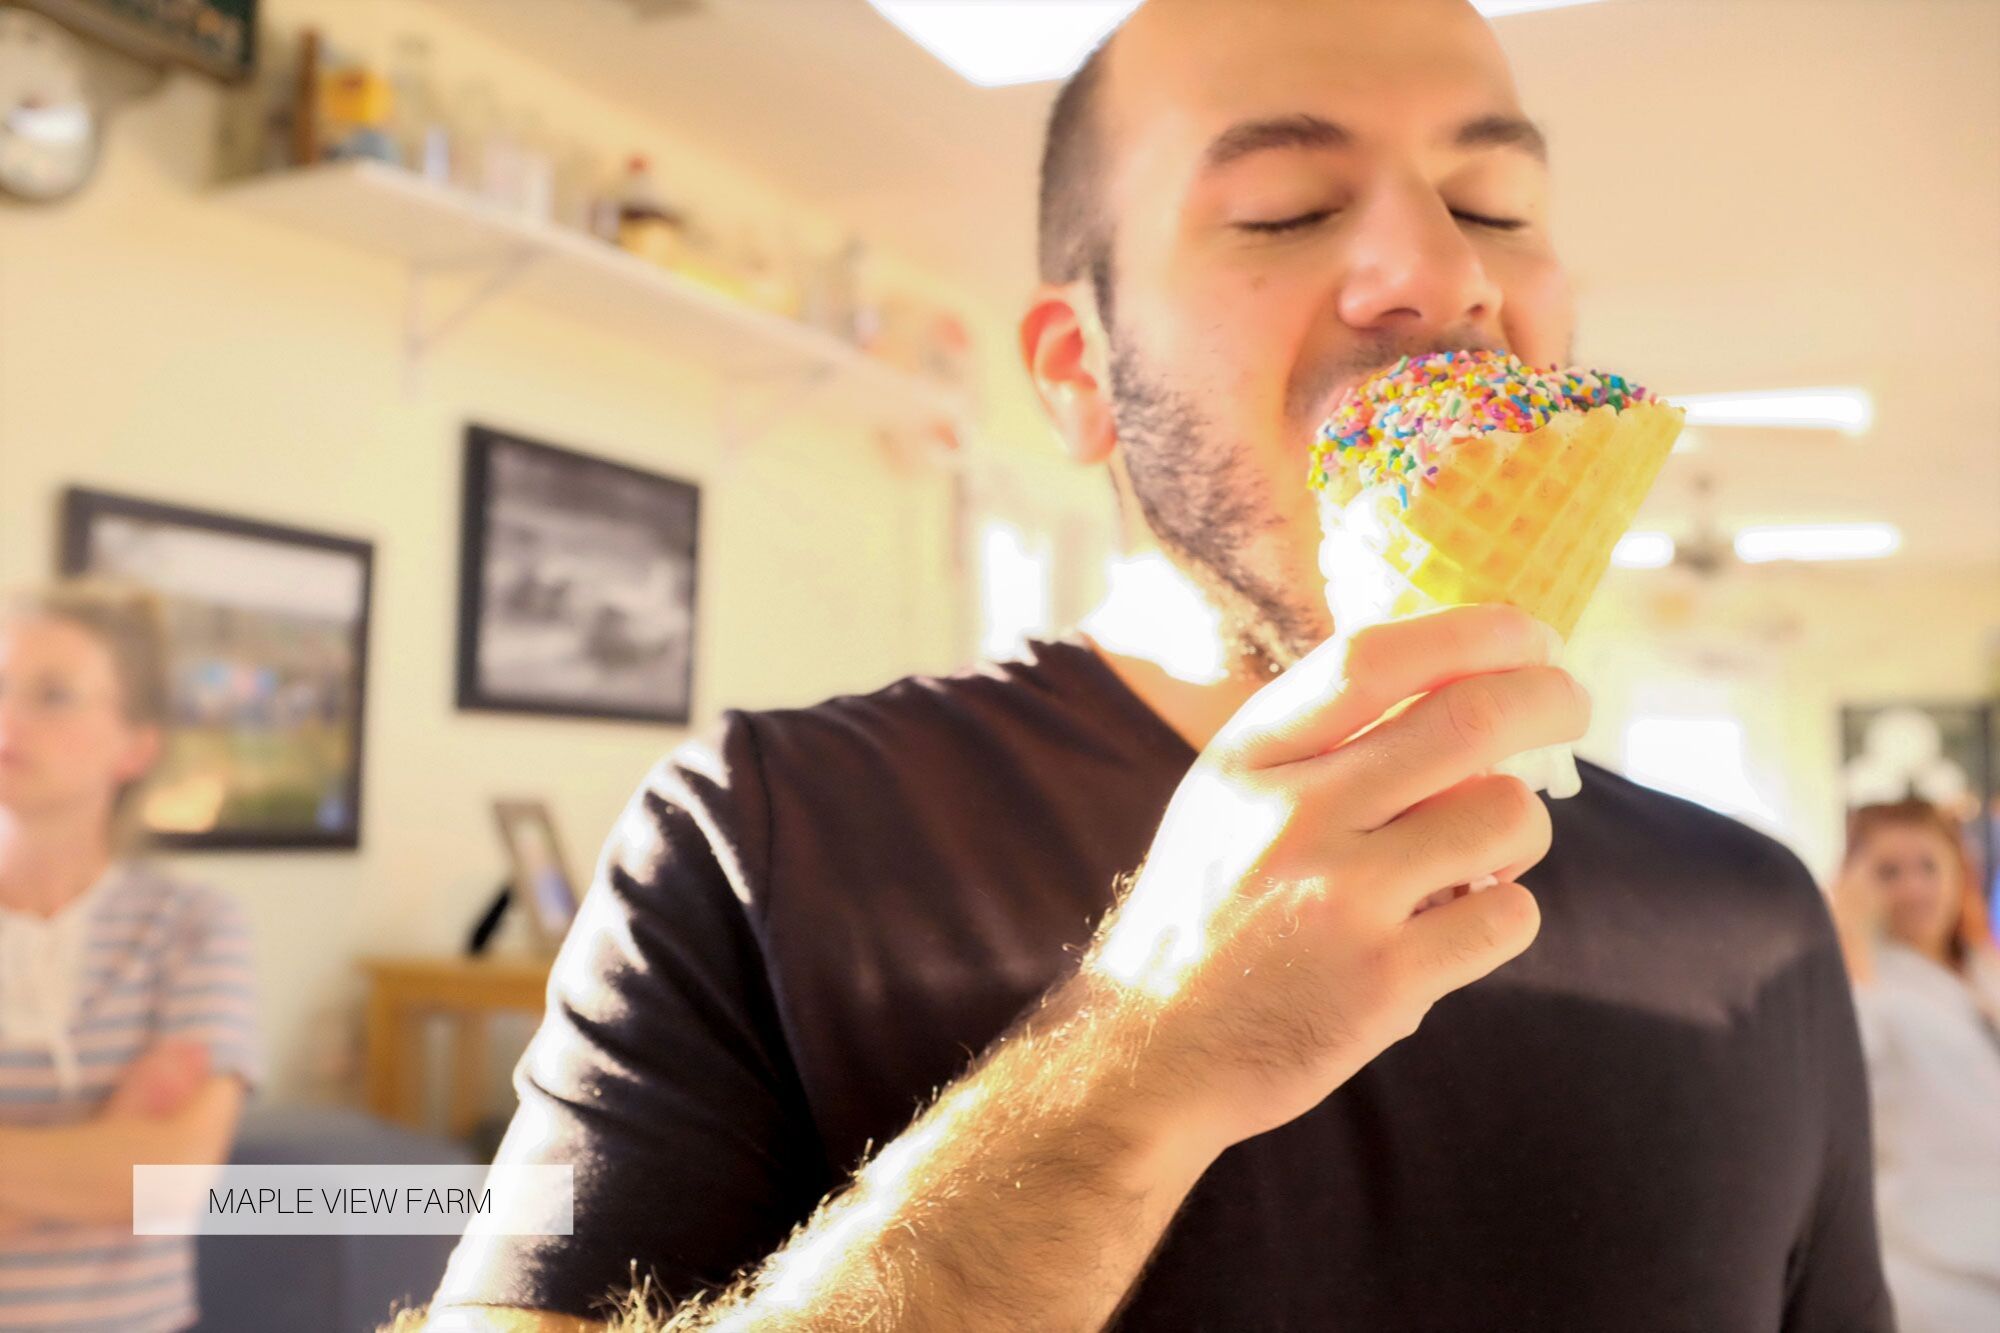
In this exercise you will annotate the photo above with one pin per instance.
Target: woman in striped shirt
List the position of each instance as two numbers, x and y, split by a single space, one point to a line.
126 1010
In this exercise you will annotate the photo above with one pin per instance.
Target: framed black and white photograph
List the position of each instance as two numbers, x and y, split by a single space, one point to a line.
267 657
576 584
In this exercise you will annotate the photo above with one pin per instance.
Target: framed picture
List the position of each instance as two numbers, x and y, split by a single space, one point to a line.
267 631
541 882
576 584
1944 753
216 37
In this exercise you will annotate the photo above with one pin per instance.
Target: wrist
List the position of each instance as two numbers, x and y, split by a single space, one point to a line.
1125 1089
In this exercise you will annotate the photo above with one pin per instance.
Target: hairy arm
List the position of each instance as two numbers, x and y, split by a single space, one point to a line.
1286 927
1028 1196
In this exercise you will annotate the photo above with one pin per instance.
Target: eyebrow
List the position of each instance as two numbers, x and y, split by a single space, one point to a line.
1503 131
1258 136
1309 131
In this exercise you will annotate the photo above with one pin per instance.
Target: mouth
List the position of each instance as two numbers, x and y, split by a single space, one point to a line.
1348 383
1332 402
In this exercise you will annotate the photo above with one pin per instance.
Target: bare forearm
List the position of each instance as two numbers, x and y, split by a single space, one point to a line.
72 1173
1028 1197
83 1172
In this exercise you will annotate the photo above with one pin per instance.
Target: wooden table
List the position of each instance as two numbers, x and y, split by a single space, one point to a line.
403 993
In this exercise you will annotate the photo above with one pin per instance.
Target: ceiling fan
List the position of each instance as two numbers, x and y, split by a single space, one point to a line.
1712 598
1706 552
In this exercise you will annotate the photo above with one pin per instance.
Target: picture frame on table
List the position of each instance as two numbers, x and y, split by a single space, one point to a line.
577 579
538 871
267 661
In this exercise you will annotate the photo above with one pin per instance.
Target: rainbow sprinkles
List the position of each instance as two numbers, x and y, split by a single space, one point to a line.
1399 426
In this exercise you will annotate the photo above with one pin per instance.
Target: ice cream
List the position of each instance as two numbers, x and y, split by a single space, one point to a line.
1470 476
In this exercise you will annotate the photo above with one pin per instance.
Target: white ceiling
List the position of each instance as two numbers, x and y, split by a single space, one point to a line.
1751 194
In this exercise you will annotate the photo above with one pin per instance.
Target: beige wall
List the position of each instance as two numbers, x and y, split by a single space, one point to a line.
155 340
1783 649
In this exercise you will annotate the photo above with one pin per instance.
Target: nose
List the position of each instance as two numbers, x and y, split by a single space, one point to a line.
1412 271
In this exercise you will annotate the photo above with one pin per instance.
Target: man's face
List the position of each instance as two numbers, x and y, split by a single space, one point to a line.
1300 192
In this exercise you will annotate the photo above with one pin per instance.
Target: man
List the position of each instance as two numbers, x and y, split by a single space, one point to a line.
1199 1061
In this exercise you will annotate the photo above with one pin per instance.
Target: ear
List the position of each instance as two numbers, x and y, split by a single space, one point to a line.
141 752
1065 351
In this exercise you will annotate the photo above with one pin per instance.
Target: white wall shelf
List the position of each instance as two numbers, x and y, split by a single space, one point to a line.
443 237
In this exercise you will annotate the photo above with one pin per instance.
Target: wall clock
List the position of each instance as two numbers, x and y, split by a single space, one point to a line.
50 127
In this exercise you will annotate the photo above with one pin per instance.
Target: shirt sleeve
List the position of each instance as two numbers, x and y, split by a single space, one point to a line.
208 988
1835 1282
660 1072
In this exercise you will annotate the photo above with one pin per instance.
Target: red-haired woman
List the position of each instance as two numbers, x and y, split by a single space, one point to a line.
1927 987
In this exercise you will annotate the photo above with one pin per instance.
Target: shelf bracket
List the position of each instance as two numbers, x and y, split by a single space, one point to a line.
421 335
754 402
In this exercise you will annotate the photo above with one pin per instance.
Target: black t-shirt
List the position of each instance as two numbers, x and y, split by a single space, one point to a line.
1654 1119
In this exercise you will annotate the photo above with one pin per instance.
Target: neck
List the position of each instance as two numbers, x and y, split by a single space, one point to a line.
46 863
1940 953
1160 636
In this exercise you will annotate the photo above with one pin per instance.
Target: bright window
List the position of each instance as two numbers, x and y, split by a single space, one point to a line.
1015 588
1704 759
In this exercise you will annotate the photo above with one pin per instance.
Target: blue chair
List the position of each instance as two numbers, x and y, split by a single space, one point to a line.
321 1284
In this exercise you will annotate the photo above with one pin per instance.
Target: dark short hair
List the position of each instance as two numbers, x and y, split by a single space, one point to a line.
1073 235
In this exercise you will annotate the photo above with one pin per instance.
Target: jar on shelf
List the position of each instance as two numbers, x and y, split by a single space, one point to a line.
647 227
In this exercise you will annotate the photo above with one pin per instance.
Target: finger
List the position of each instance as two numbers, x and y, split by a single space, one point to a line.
1493 824
1461 941
1350 681
1453 733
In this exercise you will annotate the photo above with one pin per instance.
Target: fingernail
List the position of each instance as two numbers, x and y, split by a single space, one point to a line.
1552 642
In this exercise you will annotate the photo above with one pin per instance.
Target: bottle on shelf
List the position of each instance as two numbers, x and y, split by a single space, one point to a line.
534 193
503 162
303 122
355 106
575 183
831 299
422 138
646 226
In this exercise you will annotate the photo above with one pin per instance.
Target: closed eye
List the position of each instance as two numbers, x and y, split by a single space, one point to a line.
1299 223
1483 220
1280 226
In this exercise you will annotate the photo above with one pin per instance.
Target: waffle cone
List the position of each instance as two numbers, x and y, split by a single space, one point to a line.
1525 519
